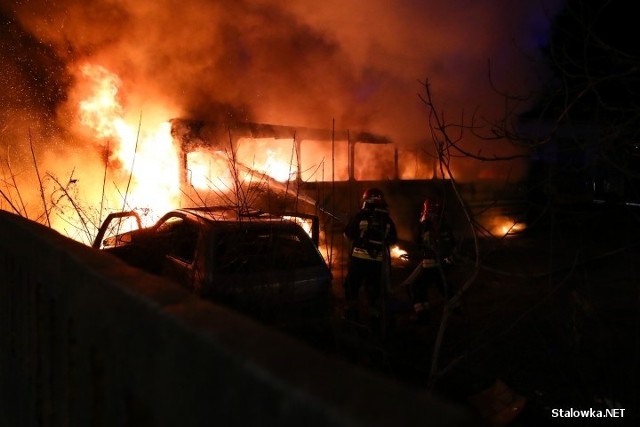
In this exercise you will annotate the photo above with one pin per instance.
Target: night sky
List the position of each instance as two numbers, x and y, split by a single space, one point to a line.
306 64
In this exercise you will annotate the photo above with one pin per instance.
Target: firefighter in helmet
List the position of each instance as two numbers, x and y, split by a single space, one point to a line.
437 243
371 231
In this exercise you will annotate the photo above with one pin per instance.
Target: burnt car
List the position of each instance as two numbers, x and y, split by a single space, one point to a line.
264 265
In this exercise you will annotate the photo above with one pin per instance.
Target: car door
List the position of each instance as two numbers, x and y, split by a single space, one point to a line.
116 230
179 262
121 234
144 248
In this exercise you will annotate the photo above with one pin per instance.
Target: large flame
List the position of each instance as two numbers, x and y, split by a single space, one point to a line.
145 154
254 158
272 157
151 158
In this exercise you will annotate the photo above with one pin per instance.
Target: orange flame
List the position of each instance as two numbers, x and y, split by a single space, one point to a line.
398 253
209 170
272 157
101 111
504 226
146 154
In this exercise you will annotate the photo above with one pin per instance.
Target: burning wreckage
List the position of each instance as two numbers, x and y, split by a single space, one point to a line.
230 246
240 166
319 171
267 266
205 144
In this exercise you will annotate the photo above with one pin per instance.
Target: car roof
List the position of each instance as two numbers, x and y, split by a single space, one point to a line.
220 213
231 214
217 217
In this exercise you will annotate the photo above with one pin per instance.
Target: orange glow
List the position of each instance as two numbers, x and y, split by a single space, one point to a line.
324 161
144 161
306 224
397 252
101 111
143 153
504 226
209 170
415 164
279 170
273 157
255 160
381 156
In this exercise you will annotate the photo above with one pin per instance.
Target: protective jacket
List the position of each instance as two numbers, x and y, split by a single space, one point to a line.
437 242
371 231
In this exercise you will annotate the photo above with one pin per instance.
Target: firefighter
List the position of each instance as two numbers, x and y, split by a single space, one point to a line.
371 231
437 243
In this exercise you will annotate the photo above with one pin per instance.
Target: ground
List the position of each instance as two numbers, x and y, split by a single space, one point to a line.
554 313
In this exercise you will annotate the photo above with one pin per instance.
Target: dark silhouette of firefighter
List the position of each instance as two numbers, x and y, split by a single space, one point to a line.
371 231
437 243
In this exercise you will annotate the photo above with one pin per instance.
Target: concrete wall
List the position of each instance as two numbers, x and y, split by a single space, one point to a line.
87 341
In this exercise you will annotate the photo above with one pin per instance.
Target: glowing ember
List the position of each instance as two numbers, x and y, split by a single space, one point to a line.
398 253
503 226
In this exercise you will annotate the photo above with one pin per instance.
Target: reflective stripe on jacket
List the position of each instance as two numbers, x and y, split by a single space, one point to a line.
364 254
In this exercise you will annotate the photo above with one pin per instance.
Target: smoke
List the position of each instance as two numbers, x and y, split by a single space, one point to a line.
360 63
